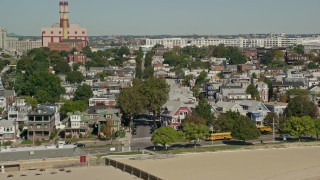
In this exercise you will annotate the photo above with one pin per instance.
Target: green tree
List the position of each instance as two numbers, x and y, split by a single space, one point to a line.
139 56
204 110
166 135
244 129
32 101
202 78
48 82
83 93
75 77
225 122
43 96
297 92
253 75
62 67
251 89
156 92
317 127
194 118
312 65
195 132
131 101
73 106
299 126
76 66
301 106
299 49
187 80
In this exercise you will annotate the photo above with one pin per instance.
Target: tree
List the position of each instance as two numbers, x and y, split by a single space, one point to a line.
48 82
253 75
131 101
106 129
62 67
195 132
75 66
166 135
312 65
299 126
202 78
75 77
194 118
204 110
297 92
301 106
251 89
73 106
317 127
32 101
83 93
43 96
299 49
187 80
244 129
156 92
225 122
139 56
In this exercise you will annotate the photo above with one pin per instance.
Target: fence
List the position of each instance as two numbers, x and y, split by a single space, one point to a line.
131 170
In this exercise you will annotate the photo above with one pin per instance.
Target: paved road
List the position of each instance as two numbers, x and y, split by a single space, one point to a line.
143 132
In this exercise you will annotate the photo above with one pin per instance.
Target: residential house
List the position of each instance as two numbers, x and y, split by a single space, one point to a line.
55 108
222 107
256 110
112 115
174 112
232 94
77 125
263 90
160 74
276 107
284 86
41 122
9 130
107 100
19 111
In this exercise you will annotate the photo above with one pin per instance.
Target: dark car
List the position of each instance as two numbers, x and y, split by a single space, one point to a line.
80 145
134 131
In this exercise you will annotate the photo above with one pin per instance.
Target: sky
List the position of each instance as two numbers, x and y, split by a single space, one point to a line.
172 17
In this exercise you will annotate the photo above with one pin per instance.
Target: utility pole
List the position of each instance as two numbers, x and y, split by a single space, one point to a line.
273 129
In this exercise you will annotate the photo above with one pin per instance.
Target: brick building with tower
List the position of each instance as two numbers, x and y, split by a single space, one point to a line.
64 35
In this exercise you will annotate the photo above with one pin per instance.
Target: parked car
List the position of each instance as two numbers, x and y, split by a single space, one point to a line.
134 131
80 145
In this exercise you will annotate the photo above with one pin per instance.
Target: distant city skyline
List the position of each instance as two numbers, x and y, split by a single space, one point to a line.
148 17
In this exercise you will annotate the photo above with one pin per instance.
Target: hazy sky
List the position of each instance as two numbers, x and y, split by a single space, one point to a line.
149 17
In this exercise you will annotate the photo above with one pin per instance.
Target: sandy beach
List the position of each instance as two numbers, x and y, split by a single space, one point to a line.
269 164
81 173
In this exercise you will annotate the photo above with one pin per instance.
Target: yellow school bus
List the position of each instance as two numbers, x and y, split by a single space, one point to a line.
219 136
265 129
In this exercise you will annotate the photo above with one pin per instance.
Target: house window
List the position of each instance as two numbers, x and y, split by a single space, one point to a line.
76 32
51 32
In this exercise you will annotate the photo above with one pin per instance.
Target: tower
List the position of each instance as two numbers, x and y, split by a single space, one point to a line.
3 38
64 18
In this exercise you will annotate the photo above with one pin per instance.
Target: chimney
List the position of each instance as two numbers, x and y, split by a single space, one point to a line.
64 18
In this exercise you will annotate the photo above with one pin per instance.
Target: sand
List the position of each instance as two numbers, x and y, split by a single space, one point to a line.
269 164
81 173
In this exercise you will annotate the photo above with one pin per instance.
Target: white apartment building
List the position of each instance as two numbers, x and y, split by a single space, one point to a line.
280 41
13 44
3 38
